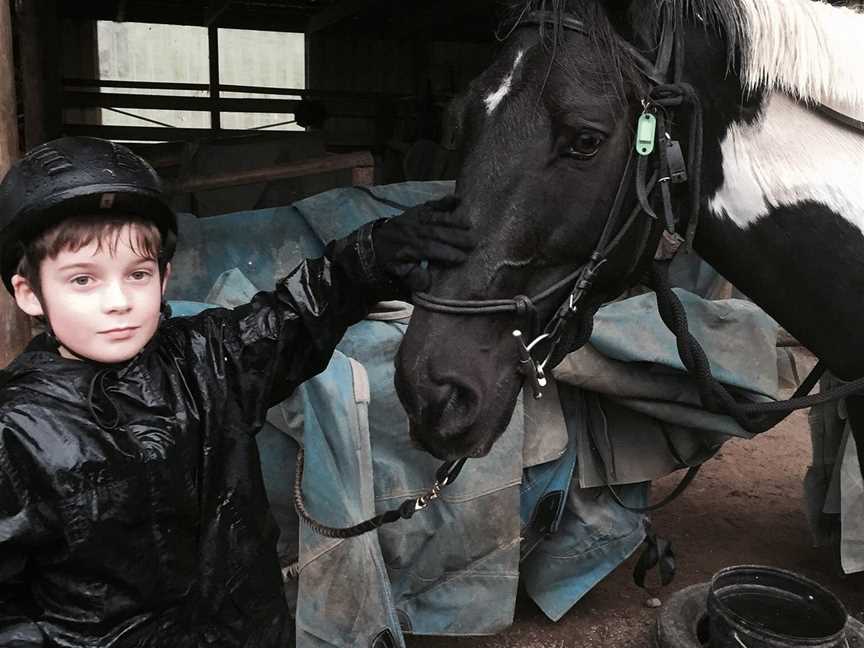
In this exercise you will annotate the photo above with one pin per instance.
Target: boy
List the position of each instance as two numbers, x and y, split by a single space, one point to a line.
132 509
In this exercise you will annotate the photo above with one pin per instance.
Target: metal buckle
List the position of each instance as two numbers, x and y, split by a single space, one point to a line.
535 371
445 476
424 500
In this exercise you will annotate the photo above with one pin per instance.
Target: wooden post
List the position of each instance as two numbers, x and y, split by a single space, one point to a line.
14 326
40 59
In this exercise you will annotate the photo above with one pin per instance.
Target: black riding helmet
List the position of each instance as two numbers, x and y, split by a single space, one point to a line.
73 176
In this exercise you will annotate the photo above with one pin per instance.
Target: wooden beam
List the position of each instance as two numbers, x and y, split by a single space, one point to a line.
14 325
121 11
170 102
336 107
213 52
361 165
270 90
338 12
154 134
253 17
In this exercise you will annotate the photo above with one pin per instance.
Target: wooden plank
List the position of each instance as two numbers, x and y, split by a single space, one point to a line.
363 176
315 166
14 325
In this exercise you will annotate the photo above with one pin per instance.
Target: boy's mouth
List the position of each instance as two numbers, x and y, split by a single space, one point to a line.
120 333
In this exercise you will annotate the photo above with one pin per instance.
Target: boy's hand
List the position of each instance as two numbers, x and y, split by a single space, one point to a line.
429 233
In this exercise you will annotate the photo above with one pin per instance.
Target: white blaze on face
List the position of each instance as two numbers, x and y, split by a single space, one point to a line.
495 98
790 155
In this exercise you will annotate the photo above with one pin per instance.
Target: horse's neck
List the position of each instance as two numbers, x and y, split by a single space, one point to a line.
784 223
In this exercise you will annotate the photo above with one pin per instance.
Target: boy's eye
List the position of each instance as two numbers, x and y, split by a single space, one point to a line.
81 280
140 275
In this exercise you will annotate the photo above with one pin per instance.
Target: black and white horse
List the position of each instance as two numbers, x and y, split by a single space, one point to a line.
549 132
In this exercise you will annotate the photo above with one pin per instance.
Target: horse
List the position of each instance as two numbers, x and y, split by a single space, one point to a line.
746 114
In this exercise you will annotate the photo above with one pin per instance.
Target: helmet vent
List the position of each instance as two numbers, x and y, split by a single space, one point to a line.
52 160
124 158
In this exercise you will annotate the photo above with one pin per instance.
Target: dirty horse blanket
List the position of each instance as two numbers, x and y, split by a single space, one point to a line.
535 508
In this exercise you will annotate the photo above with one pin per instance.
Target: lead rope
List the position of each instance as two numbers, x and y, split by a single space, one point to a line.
446 475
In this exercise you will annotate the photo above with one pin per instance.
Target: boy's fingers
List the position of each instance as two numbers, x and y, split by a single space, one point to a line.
458 238
436 252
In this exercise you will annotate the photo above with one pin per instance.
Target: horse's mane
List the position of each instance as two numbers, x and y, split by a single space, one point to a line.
810 50
807 49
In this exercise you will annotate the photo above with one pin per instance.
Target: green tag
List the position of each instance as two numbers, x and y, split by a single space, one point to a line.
646 131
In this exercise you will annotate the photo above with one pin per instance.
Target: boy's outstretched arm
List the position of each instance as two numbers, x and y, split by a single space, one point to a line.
283 337
16 627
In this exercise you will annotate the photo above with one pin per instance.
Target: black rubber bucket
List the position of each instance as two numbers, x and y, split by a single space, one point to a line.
764 607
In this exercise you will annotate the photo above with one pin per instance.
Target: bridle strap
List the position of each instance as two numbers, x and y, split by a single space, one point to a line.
562 20
559 332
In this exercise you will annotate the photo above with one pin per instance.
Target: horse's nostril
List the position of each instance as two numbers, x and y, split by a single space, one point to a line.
459 404
457 410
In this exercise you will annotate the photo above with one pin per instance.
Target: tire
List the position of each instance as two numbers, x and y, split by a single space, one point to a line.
678 623
678 620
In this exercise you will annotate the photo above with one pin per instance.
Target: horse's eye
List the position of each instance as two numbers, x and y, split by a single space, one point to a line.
584 146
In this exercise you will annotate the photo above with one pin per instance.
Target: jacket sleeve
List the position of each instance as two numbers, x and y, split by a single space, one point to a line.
285 336
17 625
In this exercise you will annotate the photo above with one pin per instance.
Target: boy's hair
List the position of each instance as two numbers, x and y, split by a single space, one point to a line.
77 232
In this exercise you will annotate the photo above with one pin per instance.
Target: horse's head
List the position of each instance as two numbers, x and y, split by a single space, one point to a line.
548 131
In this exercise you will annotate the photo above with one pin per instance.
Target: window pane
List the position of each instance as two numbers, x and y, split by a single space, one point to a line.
263 59
259 58
149 52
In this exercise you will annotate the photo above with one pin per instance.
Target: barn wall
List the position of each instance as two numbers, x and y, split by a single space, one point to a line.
419 77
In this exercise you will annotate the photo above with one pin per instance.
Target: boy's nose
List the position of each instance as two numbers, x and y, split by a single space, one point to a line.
115 298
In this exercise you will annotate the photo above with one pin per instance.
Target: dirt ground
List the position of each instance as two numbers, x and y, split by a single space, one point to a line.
745 506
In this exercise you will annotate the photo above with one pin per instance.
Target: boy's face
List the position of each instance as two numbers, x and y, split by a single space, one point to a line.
103 303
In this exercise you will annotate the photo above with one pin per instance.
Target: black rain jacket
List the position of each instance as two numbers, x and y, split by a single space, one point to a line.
132 508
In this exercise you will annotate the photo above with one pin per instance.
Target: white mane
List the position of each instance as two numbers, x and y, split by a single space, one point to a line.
810 50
